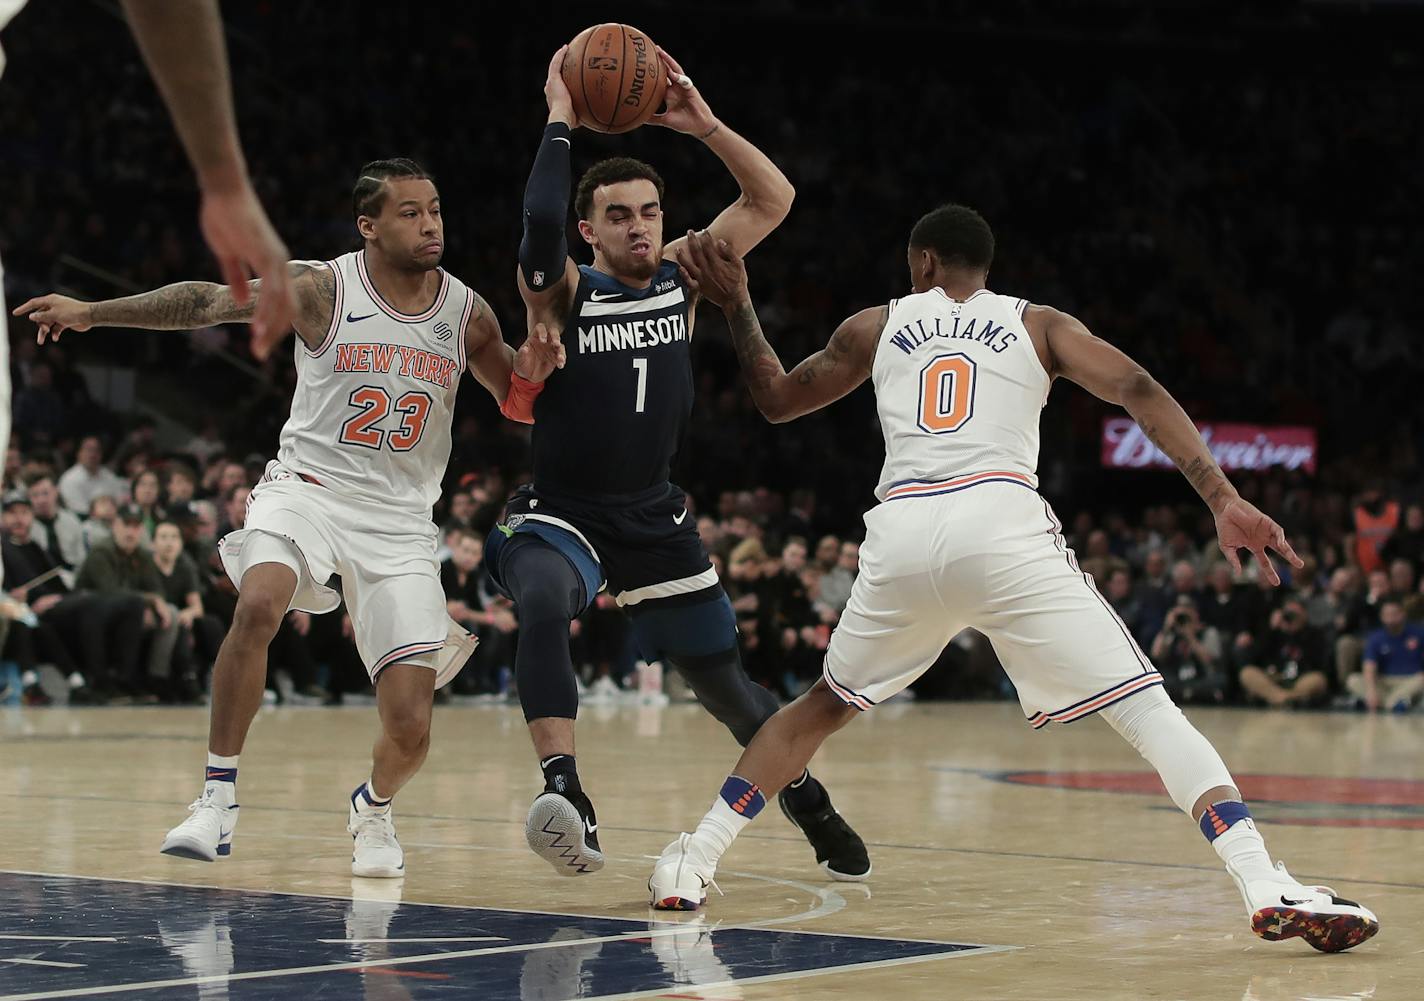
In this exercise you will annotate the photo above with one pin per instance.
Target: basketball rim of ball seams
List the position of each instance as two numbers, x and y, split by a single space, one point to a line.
614 76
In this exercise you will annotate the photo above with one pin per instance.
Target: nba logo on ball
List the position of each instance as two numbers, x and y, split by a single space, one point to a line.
443 331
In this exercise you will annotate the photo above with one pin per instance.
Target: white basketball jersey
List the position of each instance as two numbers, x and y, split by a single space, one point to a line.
374 402
8 9
959 387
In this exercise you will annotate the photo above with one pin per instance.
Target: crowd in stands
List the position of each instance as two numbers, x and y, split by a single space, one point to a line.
116 586
1190 218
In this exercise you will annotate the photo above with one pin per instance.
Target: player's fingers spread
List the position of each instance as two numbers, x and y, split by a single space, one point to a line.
1268 569
1283 546
1233 560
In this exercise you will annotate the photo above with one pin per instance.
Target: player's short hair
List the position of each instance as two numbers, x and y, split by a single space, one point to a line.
368 197
958 235
612 171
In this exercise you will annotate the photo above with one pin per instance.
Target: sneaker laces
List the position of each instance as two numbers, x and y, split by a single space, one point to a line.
376 830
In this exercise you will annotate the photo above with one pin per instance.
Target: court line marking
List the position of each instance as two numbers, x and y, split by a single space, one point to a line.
433 957
367 941
46 962
669 925
58 938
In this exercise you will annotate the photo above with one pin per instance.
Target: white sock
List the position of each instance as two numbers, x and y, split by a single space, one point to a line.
1243 850
224 790
719 828
371 802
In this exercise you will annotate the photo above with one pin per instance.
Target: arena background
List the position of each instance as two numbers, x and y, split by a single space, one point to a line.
1230 192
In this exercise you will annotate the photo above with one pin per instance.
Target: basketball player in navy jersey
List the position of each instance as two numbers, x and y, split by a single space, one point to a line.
601 511
962 538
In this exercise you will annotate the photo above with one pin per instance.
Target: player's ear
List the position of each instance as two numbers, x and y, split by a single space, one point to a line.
586 231
365 227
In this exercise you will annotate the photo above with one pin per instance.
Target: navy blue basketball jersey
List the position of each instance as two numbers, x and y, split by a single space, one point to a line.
611 420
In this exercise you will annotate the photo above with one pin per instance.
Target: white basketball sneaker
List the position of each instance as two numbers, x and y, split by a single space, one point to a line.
681 877
207 833
1282 907
375 852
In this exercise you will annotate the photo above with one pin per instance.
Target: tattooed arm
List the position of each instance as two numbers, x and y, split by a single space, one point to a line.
186 305
1110 375
711 267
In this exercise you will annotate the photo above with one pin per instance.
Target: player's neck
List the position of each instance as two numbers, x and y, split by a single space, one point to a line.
407 291
959 290
632 281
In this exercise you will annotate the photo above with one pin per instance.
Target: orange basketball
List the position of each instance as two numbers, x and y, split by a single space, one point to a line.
614 76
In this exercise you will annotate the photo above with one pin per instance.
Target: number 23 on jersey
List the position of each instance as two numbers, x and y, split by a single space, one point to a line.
374 405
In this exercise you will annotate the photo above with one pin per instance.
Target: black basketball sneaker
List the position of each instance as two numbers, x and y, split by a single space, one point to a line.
839 850
563 830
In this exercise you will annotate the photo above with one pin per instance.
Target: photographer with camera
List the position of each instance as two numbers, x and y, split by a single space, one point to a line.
1188 655
1290 664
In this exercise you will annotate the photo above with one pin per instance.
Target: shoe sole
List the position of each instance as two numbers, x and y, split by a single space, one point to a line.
554 831
676 904
1326 932
376 871
839 877
193 850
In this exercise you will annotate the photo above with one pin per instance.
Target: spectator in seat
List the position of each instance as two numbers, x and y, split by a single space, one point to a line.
1392 673
1407 542
146 490
181 486
1342 600
1375 518
124 566
1402 588
837 582
182 588
99 526
89 478
828 553
469 603
58 531
1290 665
98 637
1188 655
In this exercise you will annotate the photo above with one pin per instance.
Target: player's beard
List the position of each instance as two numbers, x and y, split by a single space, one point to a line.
642 268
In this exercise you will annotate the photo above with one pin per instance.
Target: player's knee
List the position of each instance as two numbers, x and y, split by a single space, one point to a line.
258 615
408 727
827 707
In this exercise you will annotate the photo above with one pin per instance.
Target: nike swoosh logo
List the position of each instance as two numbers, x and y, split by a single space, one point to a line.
1293 903
350 318
223 834
590 828
678 519
603 298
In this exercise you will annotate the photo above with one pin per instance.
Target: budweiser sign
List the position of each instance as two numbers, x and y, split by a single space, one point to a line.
1235 446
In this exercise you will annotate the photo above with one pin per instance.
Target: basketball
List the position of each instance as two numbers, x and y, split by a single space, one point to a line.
614 76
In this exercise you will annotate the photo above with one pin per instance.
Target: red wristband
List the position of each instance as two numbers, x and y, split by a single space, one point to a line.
518 403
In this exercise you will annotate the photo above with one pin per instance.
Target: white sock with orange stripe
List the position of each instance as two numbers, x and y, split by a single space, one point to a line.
734 808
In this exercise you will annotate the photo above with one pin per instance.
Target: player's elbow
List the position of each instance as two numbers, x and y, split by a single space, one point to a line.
1136 386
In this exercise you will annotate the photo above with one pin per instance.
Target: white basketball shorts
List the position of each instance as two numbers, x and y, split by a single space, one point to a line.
385 558
989 555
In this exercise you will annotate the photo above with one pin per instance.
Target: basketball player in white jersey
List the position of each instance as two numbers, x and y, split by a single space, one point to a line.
183 46
384 335
962 538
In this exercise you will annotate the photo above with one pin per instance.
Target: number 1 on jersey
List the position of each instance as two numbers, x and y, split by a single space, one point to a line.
947 393
640 365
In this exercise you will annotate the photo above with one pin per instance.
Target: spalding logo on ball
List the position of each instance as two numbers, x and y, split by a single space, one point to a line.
614 76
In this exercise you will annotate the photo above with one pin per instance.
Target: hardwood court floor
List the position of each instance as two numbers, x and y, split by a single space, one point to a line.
981 831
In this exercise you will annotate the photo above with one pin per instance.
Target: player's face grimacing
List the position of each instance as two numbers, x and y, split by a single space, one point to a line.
626 228
409 229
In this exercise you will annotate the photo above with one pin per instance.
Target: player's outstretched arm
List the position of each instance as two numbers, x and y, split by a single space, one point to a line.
183 46
513 378
548 277
710 266
766 193
186 305
1111 375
